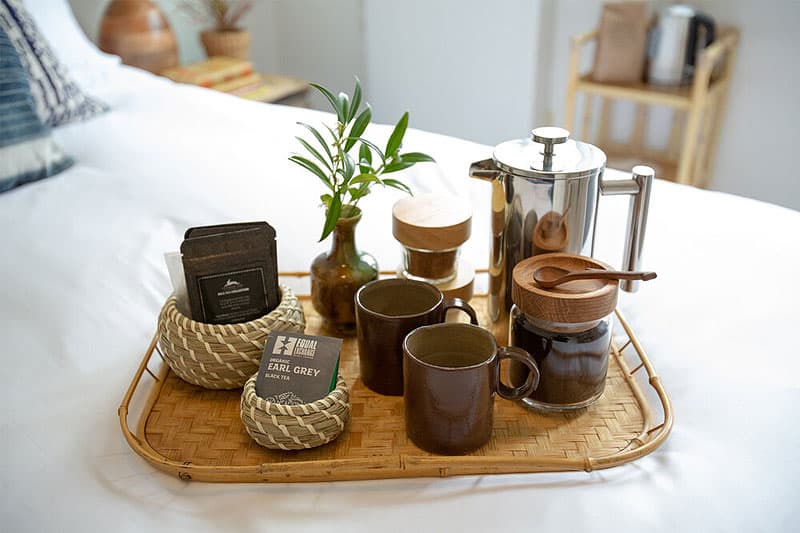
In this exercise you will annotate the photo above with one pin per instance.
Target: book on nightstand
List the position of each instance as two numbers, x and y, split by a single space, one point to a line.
215 70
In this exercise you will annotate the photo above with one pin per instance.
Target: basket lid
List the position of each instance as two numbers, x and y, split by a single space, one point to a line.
432 221
571 302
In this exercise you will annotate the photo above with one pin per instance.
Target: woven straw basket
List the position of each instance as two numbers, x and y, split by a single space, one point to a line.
222 356
295 427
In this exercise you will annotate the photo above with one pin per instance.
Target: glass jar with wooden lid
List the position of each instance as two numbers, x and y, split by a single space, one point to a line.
567 329
431 228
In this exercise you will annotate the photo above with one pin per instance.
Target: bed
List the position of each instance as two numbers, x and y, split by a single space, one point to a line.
81 259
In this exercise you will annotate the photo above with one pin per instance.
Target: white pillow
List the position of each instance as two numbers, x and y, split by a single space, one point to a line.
58 24
88 66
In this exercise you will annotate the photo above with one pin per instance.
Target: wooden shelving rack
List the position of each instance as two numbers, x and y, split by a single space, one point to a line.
698 111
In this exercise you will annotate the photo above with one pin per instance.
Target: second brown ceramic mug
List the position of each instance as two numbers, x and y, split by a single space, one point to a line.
452 372
386 311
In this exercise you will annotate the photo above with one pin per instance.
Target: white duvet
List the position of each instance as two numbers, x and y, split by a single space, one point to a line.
82 279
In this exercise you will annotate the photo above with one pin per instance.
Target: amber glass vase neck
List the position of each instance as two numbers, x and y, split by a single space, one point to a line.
343 247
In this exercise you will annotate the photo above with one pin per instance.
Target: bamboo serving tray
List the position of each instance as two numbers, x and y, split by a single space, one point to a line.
196 434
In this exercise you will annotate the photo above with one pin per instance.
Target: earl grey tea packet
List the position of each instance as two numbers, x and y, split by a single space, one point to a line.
231 272
297 369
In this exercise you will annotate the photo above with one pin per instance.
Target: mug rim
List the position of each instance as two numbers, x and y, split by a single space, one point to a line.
462 325
398 281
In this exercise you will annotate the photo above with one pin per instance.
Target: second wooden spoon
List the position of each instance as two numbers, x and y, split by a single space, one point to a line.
551 276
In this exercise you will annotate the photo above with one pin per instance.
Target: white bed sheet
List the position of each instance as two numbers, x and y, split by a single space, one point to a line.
83 280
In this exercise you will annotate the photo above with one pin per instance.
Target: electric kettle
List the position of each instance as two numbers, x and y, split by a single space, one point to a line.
545 192
674 44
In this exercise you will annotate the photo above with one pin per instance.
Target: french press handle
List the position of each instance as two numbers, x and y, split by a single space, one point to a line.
638 187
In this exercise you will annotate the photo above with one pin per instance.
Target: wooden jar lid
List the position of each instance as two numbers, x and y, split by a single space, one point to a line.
432 221
572 302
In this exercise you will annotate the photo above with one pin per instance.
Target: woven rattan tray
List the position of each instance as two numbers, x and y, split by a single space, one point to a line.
196 434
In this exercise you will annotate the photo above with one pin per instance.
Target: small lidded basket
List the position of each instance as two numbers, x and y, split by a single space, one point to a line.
567 329
295 427
431 228
222 356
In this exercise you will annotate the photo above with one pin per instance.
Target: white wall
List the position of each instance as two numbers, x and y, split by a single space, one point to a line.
758 147
320 41
489 71
460 67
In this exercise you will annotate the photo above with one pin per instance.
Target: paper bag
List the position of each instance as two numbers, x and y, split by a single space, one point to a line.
621 43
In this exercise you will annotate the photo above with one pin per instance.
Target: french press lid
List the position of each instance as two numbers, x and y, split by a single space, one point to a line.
549 154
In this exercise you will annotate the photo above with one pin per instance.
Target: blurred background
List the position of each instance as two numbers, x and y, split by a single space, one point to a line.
491 71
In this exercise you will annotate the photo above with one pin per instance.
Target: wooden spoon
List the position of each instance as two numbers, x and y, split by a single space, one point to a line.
551 276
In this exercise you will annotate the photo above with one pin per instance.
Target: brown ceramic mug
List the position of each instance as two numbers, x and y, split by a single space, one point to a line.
452 372
386 311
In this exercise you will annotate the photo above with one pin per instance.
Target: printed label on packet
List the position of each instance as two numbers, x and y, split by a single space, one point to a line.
231 297
296 368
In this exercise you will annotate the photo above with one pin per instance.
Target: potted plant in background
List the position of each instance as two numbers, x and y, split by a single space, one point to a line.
226 37
338 274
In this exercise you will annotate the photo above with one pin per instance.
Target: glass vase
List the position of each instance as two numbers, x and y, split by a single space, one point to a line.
337 275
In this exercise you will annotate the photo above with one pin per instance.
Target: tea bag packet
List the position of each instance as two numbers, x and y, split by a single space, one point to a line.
297 369
174 263
231 272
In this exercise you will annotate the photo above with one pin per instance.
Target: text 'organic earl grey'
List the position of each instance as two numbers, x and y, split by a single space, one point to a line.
297 369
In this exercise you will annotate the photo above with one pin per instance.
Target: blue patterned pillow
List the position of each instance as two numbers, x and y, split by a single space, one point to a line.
27 152
58 99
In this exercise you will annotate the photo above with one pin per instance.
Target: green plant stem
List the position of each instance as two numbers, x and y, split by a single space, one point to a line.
338 168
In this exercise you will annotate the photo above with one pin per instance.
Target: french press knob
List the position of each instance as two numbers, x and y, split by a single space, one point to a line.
549 136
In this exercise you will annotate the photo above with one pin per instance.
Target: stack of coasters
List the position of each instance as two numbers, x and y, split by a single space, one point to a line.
296 400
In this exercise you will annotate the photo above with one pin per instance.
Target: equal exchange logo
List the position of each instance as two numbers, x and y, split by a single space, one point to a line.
285 345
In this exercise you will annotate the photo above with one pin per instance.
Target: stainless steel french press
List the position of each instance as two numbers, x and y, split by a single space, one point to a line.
545 192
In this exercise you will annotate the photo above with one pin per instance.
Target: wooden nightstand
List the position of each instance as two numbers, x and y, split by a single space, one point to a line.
236 77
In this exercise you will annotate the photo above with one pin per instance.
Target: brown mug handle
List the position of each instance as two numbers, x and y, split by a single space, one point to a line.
461 305
521 356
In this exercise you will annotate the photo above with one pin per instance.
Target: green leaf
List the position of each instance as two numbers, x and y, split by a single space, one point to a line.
332 99
396 165
364 158
356 100
356 193
331 216
344 103
313 168
358 128
396 138
396 184
349 168
365 178
315 153
326 200
330 130
417 157
319 137
375 148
